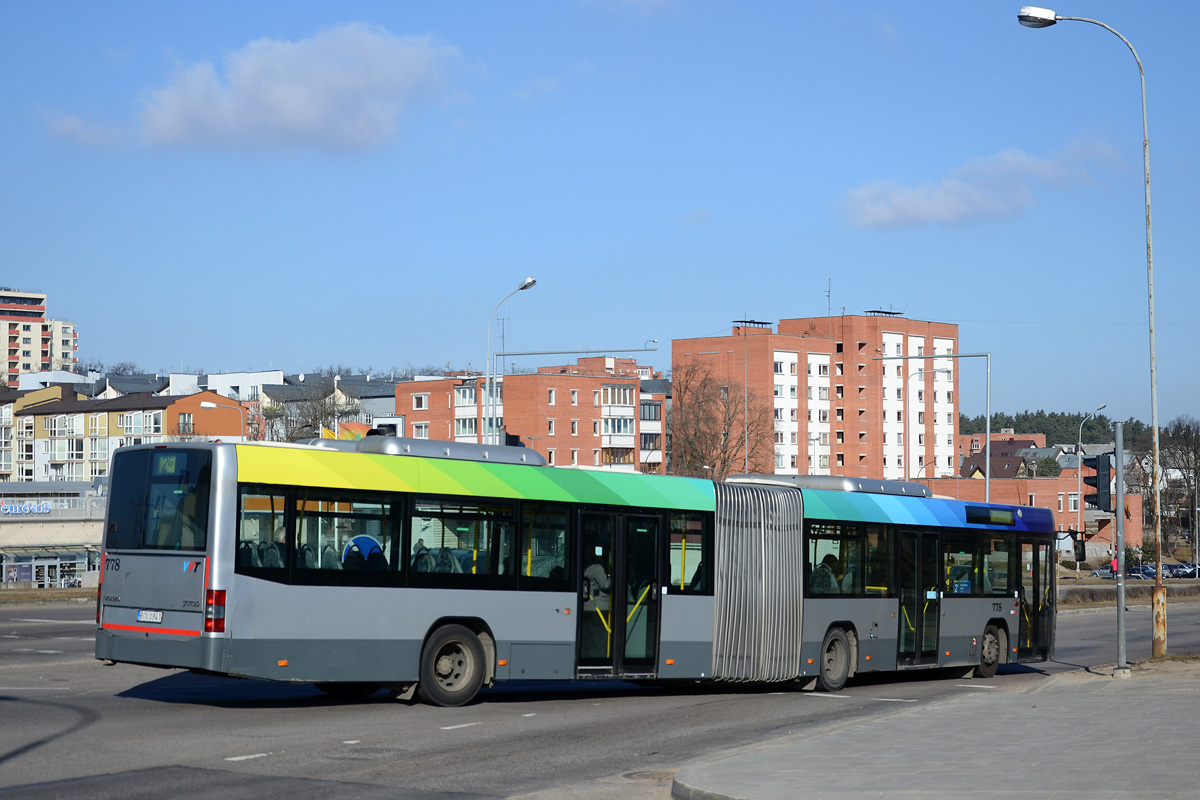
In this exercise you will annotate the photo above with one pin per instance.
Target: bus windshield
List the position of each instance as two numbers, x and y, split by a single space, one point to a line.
159 500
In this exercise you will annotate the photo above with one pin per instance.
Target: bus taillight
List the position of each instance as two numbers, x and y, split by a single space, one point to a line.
214 611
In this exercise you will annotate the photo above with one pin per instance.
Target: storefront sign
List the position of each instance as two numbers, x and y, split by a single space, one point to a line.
24 509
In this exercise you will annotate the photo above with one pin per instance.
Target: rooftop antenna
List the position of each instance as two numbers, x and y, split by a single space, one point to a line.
828 298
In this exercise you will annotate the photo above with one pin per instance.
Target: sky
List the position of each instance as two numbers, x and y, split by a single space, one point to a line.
228 186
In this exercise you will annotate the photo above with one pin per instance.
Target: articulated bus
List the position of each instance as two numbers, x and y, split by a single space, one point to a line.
436 569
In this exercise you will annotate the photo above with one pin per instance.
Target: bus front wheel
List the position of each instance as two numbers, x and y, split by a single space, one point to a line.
991 651
451 667
835 661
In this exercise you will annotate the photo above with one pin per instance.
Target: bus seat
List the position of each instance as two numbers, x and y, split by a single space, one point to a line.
376 560
268 555
354 559
306 558
248 555
329 558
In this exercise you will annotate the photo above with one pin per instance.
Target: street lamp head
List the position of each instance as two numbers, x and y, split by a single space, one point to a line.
1036 17
528 283
1101 407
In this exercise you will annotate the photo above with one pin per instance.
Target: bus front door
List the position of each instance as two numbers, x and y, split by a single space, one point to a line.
619 594
1035 640
920 600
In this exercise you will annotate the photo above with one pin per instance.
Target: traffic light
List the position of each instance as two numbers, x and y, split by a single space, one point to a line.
1102 480
1080 547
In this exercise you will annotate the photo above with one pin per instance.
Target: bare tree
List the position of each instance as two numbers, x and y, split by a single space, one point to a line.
1179 450
710 424
307 408
124 368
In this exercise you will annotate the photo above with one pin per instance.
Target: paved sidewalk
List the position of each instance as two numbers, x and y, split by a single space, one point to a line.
1077 736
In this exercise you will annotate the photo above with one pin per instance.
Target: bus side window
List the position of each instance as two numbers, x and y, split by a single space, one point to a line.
688 542
260 525
544 554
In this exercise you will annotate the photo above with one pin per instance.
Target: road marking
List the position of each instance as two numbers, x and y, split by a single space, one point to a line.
58 621
34 688
529 715
975 686
247 758
838 696
892 700
353 741
456 727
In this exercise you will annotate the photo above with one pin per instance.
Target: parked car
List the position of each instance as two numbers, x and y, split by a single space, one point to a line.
1102 572
1186 571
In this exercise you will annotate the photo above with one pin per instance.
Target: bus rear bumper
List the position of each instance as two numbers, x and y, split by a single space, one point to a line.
192 653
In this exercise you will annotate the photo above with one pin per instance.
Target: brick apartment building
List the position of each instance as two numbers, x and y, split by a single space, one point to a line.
837 410
35 343
601 412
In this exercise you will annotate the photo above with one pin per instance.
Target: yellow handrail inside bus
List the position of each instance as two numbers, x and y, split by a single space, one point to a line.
683 562
638 603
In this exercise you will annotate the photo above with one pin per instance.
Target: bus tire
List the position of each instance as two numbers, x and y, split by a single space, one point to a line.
835 661
991 651
452 667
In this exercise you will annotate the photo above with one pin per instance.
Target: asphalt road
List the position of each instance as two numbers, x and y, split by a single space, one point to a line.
71 727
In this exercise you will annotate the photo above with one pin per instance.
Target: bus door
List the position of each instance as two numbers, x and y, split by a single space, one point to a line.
920 601
1036 591
619 594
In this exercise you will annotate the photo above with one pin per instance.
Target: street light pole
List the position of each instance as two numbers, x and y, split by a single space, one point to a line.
238 408
1079 470
488 379
1035 17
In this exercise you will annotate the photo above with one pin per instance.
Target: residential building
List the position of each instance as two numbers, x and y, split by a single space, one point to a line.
583 415
60 435
869 396
35 342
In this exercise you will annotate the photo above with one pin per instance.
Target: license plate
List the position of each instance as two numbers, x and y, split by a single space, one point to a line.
149 616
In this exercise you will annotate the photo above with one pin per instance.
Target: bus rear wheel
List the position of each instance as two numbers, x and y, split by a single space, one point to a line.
451 667
991 651
835 661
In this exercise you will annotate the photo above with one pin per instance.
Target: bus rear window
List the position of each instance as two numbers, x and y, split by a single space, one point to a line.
159 500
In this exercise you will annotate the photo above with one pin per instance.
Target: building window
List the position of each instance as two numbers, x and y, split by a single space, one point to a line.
779 390
822 392
550 401
1073 502
574 397
595 427
420 430
1060 501
574 427
778 367
651 411
465 426
463 396
550 457
420 402
574 457
596 397
549 427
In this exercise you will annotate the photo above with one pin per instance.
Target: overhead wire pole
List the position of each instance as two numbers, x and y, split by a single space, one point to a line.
987 445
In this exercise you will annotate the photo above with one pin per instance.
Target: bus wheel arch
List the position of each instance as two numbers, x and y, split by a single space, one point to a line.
993 649
839 655
457 660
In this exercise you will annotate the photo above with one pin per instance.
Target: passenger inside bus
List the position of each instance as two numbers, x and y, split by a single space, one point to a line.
826 577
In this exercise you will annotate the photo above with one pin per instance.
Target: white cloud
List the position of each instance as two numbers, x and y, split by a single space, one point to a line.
989 187
344 88
72 128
